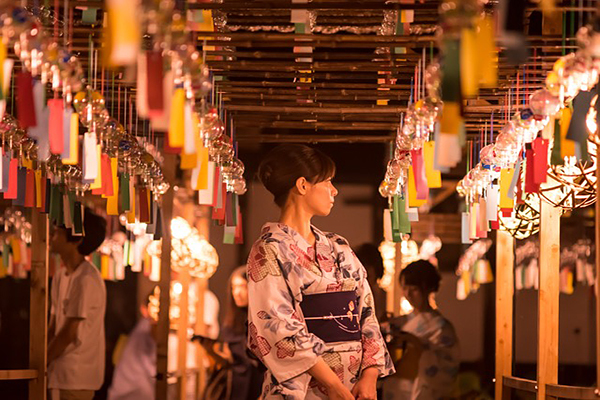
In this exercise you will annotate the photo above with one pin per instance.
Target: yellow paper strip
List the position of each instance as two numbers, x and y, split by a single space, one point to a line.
473 221
16 249
112 202
203 175
506 176
27 163
176 123
434 178
469 63
486 53
567 147
104 266
131 213
73 158
188 161
451 118
38 188
412 190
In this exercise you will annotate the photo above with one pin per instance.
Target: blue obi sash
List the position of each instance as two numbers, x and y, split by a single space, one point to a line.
332 316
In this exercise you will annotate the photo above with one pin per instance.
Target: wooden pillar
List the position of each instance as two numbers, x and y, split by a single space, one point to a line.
203 226
504 307
548 295
200 327
38 306
396 292
597 288
162 329
182 331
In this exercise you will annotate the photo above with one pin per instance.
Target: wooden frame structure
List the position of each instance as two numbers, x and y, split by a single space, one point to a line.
38 313
546 386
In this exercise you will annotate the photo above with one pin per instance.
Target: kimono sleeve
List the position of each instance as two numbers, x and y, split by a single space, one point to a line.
375 353
277 333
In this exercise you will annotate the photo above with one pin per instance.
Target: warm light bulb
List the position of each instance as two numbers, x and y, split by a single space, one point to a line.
180 229
177 288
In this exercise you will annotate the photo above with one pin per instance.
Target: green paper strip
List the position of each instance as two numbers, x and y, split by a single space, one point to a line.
451 86
555 157
5 254
55 204
77 219
124 193
89 16
403 216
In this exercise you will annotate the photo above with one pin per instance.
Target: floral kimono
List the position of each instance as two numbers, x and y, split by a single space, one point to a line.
439 362
282 269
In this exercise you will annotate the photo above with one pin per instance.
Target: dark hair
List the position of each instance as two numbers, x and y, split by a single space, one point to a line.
94 233
423 274
369 256
286 163
235 317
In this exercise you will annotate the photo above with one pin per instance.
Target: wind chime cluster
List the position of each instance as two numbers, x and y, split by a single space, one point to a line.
468 62
180 106
547 150
41 159
15 238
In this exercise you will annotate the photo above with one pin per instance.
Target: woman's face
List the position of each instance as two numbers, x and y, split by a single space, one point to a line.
239 291
320 197
415 295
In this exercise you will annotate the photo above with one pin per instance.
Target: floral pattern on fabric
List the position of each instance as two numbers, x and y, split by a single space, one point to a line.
283 268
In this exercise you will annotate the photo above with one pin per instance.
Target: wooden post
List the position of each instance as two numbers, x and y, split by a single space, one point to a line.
200 327
597 288
504 307
182 331
203 226
38 306
548 294
396 294
162 329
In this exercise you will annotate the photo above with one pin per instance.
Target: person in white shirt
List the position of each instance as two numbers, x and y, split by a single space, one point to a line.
76 335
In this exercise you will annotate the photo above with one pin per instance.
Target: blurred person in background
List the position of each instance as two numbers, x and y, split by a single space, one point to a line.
423 343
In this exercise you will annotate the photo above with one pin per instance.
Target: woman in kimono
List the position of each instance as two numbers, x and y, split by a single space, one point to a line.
311 319
428 367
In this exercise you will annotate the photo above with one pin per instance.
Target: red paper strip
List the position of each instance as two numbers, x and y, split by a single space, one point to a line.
219 210
506 212
30 189
25 105
418 164
13 171
55 126
519 195
239 231
495 224
155 78
144 206
530 185
107 182
540 160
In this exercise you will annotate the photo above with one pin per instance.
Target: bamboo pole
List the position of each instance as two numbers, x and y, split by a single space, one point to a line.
548 295
162 329
38 306
504 308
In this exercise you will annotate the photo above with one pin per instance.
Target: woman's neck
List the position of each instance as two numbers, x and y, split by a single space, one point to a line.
298 219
